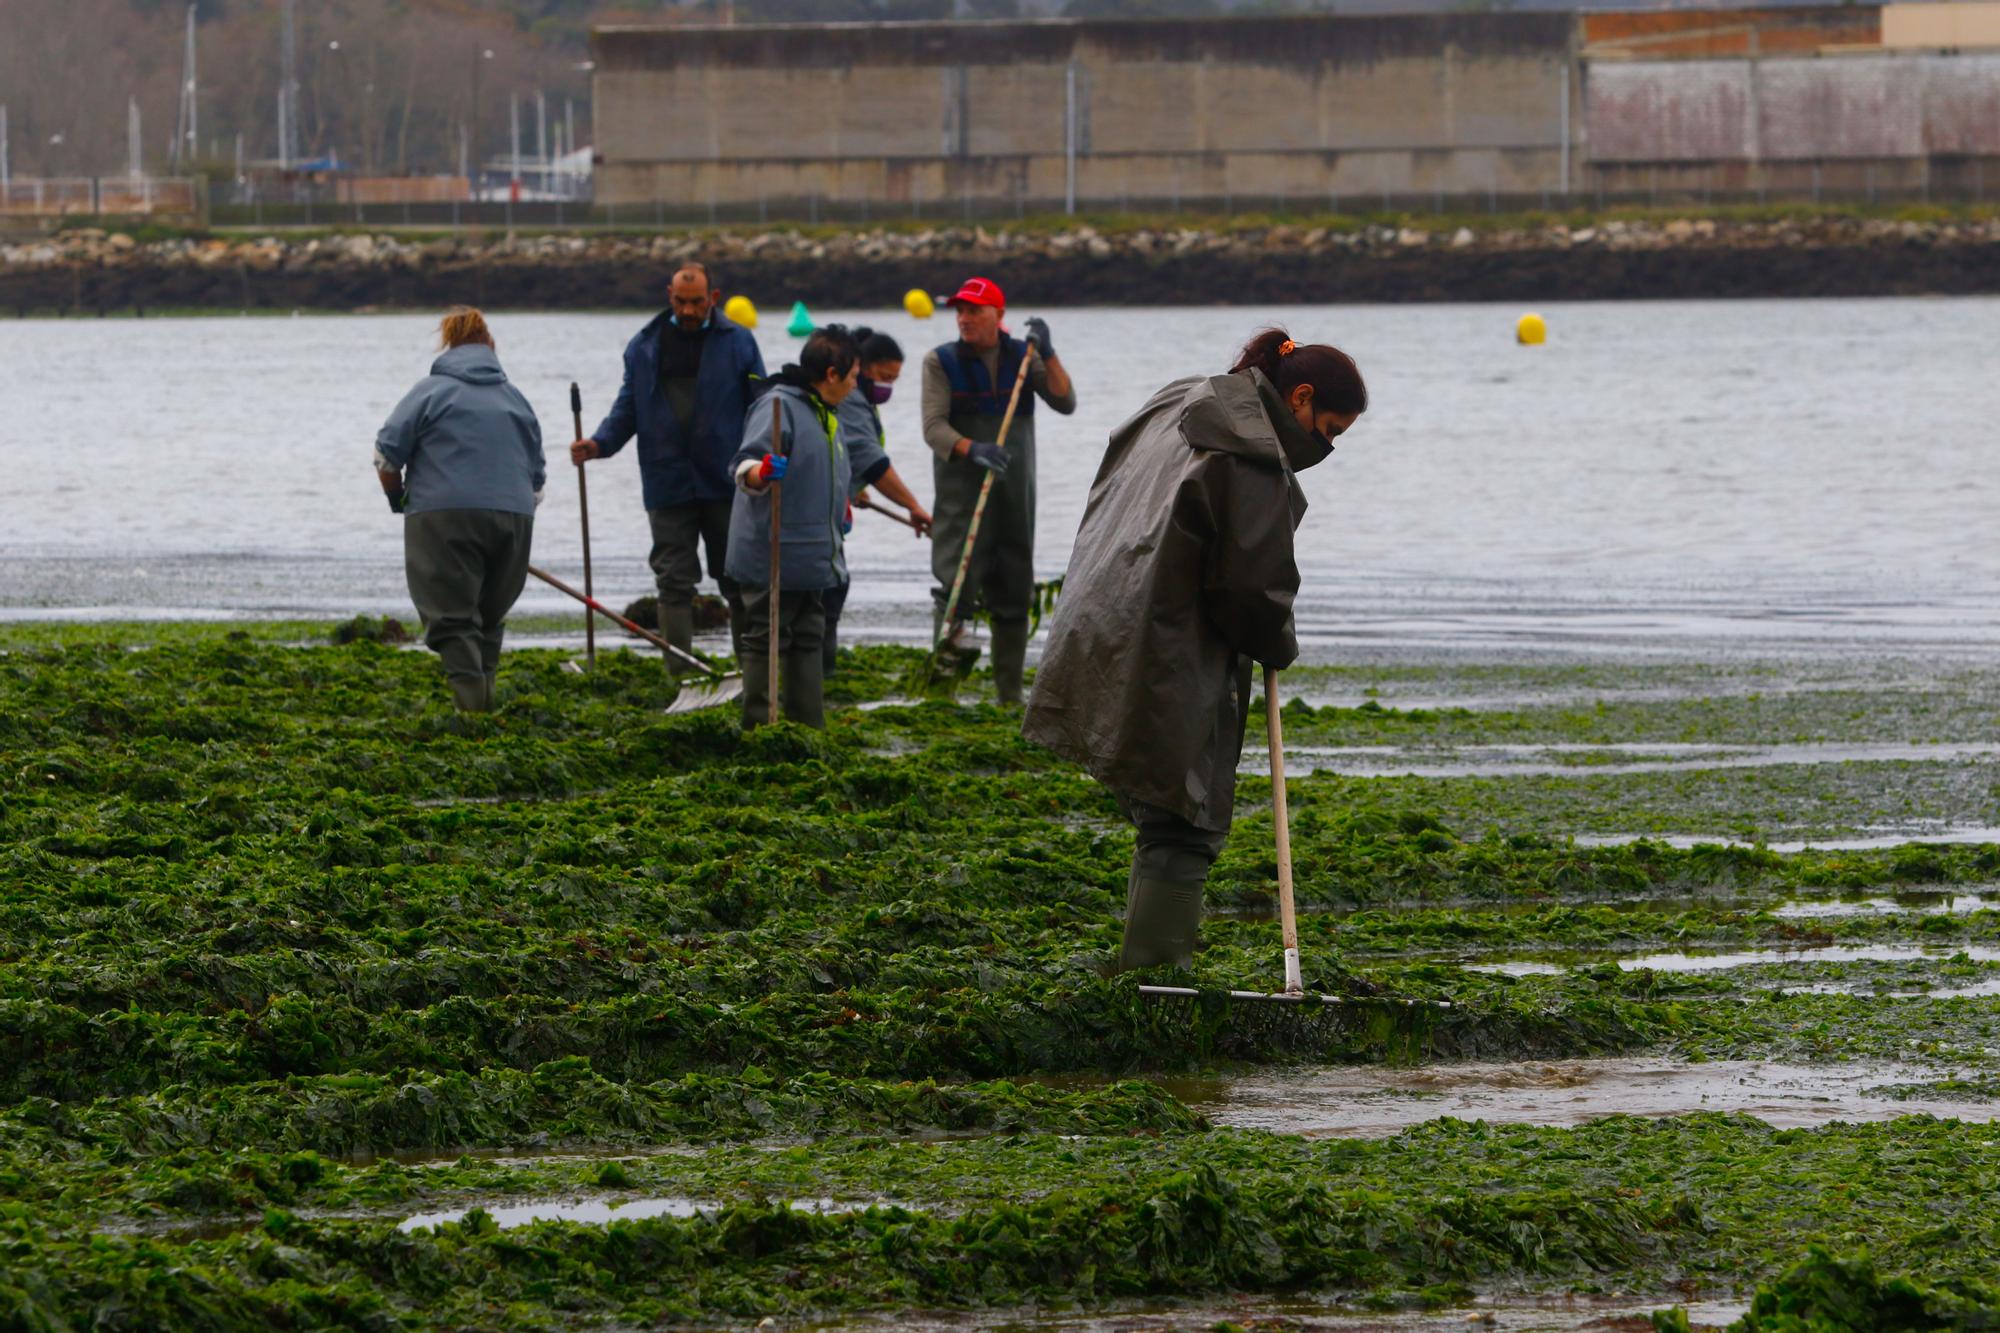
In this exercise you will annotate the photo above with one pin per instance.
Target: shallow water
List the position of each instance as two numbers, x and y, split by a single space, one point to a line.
1507 1314
1915 832
605 1209
1372 1101
1583 760
1662 472
1928 904
1726 960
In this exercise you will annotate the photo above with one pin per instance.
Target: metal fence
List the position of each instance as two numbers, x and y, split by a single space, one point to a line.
92 196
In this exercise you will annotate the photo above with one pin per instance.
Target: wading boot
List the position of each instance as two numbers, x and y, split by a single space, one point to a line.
469 693
677 628
829 651
1010 653
737 618
1162 921
492 690
805 686
756 690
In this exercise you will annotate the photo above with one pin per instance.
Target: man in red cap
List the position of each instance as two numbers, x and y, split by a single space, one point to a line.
966 386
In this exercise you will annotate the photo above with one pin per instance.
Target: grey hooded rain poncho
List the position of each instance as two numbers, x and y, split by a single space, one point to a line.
1182 577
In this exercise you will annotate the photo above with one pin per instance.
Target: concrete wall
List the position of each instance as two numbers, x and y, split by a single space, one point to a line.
1849 107
894 115
979 119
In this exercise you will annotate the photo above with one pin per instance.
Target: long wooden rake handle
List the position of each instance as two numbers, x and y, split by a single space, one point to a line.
865 501
583 505
1288 920
950 621
640 630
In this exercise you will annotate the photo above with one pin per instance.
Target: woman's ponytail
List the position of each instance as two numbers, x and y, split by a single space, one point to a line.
461 325
1335 379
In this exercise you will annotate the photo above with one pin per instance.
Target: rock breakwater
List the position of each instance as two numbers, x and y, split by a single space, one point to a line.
95 271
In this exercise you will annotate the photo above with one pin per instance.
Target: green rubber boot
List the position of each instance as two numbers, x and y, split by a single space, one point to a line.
756 690
677 628
492 690
1010 655
805 688
469 693
1162 922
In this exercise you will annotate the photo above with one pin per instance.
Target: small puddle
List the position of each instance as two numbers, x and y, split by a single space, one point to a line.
1510 1313
600 1209
1928 904
1387 761
1950 834
1374 1101
1720 961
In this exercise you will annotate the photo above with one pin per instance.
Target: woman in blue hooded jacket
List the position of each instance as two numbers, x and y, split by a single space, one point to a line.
461 459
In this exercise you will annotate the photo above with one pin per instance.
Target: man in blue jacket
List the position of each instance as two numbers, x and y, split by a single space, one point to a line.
689 377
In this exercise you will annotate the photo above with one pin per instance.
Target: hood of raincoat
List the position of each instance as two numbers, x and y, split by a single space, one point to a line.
1183 575
475 363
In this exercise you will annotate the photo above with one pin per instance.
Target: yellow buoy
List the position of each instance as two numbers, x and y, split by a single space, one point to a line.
741 310
918 302
1531 330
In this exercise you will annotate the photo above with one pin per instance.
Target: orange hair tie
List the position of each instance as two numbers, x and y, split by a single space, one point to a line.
1287 347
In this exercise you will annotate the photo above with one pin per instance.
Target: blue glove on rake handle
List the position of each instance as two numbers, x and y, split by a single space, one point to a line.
989 456
773 467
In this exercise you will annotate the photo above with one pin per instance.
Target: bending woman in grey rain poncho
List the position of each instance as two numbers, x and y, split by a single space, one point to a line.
461 459
1182 577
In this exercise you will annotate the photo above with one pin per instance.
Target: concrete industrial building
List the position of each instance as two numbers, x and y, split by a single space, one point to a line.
985 119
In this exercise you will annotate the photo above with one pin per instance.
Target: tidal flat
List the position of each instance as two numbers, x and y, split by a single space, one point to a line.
325 1006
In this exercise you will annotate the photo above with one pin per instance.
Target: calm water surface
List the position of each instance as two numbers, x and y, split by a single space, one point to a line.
1726 473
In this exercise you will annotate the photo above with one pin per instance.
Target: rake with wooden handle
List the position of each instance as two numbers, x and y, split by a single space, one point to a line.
721 687
583 505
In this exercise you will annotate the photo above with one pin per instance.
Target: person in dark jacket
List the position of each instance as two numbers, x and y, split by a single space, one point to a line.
821 468
1183 576
860 417
461 459
689 377
966 385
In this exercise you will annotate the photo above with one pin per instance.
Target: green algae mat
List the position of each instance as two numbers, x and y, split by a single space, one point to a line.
324 1006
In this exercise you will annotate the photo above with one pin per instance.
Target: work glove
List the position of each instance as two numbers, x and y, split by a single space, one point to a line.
773 467
1038 334
397 501
847 519
989 456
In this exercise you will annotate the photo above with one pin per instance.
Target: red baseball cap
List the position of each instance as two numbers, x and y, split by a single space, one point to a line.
980 291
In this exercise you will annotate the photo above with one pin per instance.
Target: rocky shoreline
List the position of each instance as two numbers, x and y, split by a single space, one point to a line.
99 272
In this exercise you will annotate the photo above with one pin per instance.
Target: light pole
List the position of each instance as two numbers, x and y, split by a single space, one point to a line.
479 58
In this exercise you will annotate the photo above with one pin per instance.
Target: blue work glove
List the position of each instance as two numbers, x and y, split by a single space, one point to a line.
989 456
1038 334
773 467
397 501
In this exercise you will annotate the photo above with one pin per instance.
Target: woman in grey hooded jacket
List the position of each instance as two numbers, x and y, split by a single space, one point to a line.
461 459
1183 575
821 467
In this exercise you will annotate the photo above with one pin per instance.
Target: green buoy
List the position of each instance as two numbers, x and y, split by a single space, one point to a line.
802 321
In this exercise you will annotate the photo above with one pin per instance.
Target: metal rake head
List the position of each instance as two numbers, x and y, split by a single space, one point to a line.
695 695
1253 1025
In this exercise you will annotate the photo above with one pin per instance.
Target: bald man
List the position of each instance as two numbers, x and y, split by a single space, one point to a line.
688 381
